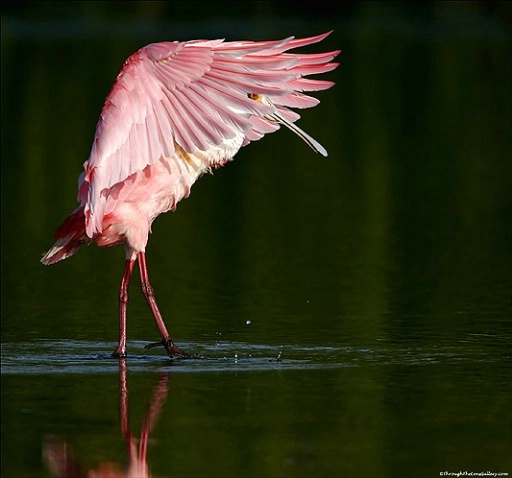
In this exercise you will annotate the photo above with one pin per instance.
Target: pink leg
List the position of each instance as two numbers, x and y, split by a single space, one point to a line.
120 351
149 294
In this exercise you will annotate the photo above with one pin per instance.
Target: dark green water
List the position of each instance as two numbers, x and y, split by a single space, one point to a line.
354 312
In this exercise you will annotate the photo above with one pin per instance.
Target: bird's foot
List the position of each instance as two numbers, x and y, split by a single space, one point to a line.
172 349
119 353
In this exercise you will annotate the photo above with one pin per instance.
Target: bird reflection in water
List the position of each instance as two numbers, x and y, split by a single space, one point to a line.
62 462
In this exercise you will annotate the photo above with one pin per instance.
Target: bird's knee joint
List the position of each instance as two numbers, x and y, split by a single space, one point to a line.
123 297
147 290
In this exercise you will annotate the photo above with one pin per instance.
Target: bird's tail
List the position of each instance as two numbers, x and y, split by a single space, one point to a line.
70 236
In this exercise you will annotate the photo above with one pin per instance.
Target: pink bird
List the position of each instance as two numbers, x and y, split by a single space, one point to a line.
177 110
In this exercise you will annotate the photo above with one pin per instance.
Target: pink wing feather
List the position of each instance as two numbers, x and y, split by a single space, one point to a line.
194 94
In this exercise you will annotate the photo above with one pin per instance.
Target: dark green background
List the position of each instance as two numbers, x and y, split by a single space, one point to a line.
382 274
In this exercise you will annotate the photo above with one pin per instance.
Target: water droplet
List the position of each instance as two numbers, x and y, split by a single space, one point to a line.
247 322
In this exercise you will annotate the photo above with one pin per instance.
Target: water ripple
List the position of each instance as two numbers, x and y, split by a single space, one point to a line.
89 357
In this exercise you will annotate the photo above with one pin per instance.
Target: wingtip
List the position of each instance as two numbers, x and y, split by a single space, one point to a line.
323 36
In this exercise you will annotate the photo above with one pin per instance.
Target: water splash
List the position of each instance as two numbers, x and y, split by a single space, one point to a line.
91 357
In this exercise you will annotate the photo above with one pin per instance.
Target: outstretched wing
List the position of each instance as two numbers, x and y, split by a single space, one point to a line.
197 95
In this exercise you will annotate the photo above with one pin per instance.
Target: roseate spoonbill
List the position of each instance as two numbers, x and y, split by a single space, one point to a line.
177 110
